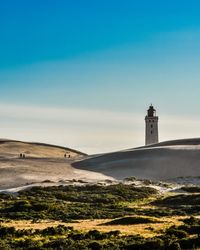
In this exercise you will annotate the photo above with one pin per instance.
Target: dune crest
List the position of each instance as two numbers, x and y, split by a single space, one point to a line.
161 161
42 163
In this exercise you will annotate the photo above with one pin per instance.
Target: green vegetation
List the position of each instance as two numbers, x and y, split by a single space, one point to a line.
195 189
179 200
68 203
181 204
124 205
62 237
131 221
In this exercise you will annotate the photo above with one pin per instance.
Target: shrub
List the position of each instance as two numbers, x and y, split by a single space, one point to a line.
131 221
176 232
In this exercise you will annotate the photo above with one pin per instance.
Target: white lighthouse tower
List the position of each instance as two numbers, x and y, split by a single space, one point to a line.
151 130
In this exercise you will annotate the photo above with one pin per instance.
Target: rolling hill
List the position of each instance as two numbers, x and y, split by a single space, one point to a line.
46 164
12 149
162 161
43 163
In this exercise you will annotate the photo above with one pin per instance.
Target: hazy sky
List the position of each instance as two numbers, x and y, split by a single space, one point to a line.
82 73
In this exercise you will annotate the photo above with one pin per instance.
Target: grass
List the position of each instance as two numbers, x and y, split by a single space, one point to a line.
150 228
96 211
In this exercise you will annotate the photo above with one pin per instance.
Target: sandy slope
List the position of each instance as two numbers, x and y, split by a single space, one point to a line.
10 148
161 161
19 172
43 162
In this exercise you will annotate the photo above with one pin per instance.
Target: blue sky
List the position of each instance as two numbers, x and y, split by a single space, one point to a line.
111 58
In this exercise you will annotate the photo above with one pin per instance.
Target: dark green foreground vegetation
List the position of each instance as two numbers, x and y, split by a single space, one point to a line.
69 203
182 204
61 237
131 221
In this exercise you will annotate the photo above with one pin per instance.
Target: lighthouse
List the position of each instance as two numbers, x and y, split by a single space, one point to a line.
151 128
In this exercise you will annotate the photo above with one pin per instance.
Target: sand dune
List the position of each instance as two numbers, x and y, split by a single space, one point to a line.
160 161
43 162
46 163
11 148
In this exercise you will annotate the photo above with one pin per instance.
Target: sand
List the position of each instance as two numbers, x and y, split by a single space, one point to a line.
177 161
163 161
44 165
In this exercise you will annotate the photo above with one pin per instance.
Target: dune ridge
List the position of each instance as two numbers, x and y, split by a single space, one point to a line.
42 163
161 161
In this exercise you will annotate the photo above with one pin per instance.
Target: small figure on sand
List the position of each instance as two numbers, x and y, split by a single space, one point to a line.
22 156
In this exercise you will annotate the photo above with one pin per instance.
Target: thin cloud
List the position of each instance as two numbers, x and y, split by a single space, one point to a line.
88 130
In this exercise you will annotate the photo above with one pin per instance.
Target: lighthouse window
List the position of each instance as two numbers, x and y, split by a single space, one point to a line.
151 126
151 132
